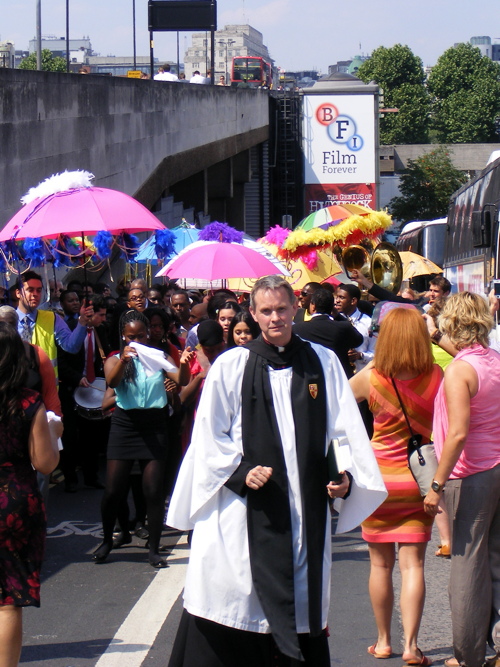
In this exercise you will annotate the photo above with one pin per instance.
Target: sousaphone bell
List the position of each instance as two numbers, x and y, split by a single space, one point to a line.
384 267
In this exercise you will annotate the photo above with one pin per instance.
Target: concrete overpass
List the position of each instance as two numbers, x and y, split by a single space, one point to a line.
146 138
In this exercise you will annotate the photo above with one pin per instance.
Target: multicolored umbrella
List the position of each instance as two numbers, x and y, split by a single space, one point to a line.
330 215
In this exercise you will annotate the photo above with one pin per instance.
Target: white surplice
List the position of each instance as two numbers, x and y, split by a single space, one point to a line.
219 583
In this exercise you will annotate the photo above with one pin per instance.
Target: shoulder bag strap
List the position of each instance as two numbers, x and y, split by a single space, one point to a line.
402 406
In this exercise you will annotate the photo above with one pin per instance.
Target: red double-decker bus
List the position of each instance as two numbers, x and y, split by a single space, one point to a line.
253 71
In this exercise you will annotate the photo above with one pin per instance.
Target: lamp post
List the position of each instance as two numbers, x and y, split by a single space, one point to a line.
133 34
67 36
229 42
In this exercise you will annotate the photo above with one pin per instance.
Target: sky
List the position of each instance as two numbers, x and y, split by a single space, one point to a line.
299 35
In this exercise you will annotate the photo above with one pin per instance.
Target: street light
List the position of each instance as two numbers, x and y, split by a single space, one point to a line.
229 42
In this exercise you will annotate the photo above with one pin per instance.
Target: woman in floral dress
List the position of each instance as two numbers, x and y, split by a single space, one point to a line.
25 448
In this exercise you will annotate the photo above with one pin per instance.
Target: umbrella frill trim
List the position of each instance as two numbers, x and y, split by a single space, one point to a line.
34 252
221 232
103 242
68 180
277 235
347 232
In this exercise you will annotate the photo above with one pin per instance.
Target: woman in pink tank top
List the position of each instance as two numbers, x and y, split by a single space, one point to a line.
467 441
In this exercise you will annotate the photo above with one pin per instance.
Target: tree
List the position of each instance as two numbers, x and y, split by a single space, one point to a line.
465 90
50 63
426 186
401 76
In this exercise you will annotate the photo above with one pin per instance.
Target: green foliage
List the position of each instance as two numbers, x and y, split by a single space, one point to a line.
49 62
465 90
401 76
426 186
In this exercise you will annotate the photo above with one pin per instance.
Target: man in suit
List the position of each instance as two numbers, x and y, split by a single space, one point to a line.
303 313
83 438
339 337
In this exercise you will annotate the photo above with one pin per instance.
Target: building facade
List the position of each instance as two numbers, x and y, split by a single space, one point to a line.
233 40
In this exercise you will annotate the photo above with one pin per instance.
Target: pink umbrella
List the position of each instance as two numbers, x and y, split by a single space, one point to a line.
85 210
211 260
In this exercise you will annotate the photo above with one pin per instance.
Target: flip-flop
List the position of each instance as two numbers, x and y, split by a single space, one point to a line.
383 655
424 660
451 662
443 551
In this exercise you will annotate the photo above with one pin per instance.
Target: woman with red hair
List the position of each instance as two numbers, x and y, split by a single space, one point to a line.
401 374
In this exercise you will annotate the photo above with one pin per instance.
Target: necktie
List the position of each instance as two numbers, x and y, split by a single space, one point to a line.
90 374
26 330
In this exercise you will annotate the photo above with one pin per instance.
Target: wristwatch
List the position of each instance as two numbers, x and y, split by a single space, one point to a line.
436 486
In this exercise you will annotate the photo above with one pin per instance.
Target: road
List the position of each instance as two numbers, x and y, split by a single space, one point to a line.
123 613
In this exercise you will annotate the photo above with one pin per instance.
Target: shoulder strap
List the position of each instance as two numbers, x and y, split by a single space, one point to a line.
402 406
101 351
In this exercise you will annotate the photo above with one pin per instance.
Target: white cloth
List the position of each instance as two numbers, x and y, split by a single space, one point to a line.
361 323
219 583
153 360
52 418
197 78
165 76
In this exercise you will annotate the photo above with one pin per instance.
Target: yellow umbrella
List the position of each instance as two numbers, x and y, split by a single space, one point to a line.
416 265
301 274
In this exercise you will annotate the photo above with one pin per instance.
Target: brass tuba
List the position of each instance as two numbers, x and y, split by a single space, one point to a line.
383 267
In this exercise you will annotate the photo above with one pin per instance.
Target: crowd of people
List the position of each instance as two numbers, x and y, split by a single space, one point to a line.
226 409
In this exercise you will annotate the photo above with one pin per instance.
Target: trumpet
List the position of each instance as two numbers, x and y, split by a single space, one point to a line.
383 267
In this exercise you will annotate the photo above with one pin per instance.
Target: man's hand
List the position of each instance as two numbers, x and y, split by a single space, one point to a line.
362 280
354 355
338 490
258 476
84 382
86 314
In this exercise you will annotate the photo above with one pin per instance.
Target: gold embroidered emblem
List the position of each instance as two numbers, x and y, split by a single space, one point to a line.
313 390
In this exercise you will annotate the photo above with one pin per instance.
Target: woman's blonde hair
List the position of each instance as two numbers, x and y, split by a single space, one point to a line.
403 344
466 320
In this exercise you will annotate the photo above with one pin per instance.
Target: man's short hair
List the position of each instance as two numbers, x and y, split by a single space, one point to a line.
441 282
97 301
29 275
196 72
166 67
313 286
322 300
353 291
9 314
180 292
271 283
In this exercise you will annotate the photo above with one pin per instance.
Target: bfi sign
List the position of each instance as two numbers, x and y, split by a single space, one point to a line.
339 150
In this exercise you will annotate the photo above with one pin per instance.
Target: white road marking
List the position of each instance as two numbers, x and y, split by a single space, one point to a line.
136 635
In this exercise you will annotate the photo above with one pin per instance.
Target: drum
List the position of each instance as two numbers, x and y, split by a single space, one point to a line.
89 400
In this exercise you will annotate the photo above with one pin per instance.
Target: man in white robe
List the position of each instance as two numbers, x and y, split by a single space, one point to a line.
222 596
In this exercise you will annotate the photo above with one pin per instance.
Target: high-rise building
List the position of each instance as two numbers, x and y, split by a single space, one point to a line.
487 48
233 40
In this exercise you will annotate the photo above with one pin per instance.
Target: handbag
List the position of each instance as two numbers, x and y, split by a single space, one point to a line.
422 460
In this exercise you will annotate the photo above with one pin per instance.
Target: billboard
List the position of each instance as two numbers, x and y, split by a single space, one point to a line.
165 15
339 141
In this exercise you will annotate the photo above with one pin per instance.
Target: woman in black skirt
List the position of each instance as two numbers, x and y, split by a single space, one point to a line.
138 432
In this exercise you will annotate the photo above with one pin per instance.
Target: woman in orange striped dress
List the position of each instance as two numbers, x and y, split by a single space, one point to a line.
403 354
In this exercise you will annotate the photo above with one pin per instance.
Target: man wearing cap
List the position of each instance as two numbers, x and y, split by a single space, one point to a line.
254 488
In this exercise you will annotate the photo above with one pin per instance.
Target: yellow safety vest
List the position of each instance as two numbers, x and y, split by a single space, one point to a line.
43 335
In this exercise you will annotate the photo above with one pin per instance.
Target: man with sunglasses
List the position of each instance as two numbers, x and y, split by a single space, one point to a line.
303 313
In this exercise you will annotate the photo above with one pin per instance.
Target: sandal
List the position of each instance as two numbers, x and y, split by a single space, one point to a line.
423 660
451 662
383 655
443 551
